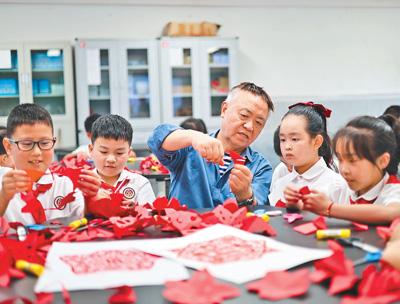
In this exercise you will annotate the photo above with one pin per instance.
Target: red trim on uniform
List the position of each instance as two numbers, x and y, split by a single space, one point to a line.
393 180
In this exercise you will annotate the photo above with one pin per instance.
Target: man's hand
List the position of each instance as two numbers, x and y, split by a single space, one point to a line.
209 147
240 182
89 183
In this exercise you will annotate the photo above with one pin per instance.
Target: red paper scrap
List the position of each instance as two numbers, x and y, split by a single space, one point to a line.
123 295
306 228
279 285
201 288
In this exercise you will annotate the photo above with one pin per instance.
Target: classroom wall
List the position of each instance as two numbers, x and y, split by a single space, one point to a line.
346 57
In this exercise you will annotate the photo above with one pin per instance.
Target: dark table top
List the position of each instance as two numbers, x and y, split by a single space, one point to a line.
153 294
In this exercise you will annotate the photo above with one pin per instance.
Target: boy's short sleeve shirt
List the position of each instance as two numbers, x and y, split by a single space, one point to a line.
134 187
50 199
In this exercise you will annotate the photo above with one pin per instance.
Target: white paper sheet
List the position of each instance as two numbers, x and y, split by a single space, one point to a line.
281 257
5 59
58 273
93 67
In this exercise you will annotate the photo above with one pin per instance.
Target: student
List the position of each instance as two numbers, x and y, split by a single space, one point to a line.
283 168
368 152
194 124
109 150
393 110
203 174
5 160
305 145
84 149
30 142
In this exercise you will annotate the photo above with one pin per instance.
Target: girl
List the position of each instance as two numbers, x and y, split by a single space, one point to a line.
368 152
305 145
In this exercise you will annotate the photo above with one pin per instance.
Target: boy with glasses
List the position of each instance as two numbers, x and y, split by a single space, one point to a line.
30 193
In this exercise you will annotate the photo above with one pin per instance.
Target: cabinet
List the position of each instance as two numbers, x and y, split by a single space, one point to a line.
118 77
39 73
196 75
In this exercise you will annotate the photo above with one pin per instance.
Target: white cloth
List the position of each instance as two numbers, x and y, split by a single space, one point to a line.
137 189
318 177
280 171
81 149
387 191
61 186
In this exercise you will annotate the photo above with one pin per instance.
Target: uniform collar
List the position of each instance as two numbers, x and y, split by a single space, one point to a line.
124 175
373 192
46 178
317 169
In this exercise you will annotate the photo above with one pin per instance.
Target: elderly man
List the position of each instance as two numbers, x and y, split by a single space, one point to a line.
202 173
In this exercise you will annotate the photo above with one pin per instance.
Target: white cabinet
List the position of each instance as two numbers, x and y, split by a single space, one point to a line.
118 77
196 75
39 73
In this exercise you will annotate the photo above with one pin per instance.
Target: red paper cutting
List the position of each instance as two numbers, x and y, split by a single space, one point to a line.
34 207
305 190
201 288
34 175
237 158
223 250
360 227
306 228
319 222
44 298
123 295
110 260
279 285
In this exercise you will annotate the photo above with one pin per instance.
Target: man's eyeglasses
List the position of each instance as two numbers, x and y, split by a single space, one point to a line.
28 145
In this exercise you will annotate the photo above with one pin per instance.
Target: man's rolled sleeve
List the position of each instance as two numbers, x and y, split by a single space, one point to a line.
168 158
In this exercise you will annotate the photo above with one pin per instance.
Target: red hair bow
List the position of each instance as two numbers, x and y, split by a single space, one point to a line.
327 112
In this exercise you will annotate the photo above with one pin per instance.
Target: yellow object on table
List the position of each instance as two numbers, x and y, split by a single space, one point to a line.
332 233
32 268
78 223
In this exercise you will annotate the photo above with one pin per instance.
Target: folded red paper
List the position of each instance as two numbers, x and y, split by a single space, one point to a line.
123 295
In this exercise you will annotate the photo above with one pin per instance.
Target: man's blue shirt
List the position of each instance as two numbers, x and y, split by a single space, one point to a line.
198 183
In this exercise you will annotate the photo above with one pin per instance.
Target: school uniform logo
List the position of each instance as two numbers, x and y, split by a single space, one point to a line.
128 193
58 201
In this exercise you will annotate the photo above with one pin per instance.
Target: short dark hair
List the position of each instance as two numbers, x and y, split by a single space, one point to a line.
90 120
316 124
112 126
27 114
393 110
194 124
256 91
2 149
3 130
371 137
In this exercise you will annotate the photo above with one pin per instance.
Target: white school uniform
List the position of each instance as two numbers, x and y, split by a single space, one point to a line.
385 192
135 187
318 177
280 171
50 199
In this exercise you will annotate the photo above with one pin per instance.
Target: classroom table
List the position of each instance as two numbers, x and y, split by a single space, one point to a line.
285 233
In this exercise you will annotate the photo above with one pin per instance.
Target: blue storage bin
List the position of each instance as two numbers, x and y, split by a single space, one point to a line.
44 86
8 86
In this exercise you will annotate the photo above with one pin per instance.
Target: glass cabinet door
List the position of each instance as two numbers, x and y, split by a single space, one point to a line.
182 92
218 62
138 83
9 80
99 87
48 79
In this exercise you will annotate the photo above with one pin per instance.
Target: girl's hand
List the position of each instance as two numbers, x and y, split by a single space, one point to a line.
292 195
89 183
316 202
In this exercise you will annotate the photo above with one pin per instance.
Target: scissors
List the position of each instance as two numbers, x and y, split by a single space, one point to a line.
373 254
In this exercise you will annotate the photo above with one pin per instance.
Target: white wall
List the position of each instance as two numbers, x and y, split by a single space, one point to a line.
349 57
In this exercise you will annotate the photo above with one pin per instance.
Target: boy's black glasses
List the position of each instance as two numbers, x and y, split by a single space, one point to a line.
28 145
